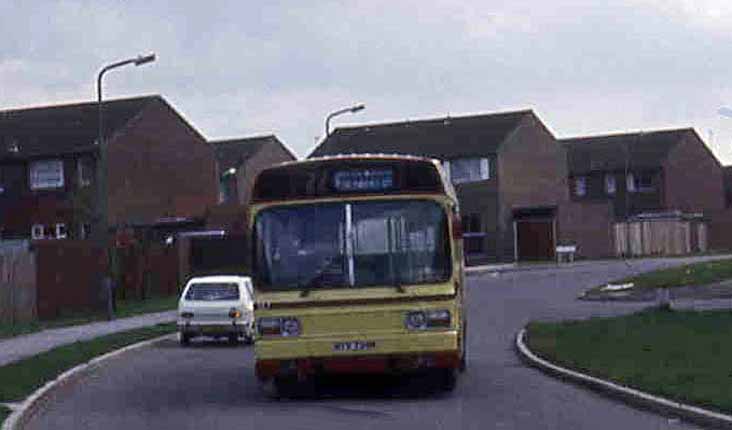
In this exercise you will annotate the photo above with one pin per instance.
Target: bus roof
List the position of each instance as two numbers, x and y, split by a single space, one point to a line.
352 174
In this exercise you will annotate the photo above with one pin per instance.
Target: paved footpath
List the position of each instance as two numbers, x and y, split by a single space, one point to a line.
19 347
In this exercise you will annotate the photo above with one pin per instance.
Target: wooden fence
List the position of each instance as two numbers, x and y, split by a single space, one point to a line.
17 283
660 237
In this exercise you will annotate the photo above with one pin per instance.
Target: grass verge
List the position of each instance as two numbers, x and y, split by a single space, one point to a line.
125 308
23 377
679 355
708 272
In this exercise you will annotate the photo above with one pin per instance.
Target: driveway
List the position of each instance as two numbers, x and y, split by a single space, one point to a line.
212 385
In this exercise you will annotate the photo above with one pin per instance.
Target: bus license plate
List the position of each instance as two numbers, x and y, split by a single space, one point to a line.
353 346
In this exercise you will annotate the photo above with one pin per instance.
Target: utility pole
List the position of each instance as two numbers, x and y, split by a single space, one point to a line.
101 222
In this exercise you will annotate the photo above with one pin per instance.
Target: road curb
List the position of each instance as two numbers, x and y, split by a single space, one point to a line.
28 407
632 396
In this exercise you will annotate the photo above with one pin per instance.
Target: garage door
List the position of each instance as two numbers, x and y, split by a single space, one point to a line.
535 239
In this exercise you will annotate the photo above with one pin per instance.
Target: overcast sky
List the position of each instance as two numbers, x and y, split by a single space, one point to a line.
245 68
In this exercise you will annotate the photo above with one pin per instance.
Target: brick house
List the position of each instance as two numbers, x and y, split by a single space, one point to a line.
666 170
240 160
238 163
508 170
159 167
663 175
727 172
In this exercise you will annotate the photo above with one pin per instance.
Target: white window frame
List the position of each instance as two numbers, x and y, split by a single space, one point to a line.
611 186
49 182
79 170
630 183
38 231
580 186
483 170
84 229
59 233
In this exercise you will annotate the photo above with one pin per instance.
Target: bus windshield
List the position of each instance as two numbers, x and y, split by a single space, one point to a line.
351 244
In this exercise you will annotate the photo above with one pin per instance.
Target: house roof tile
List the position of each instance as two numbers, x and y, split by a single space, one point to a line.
646 150
62 129
442 138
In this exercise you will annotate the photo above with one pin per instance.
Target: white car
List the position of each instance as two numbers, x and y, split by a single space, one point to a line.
216 306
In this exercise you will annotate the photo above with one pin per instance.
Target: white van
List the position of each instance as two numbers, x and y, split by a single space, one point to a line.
216 306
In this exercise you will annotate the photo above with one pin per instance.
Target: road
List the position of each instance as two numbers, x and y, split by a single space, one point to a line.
211 385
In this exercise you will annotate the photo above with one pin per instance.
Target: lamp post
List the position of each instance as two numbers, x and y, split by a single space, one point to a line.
352 109
224 195
99 232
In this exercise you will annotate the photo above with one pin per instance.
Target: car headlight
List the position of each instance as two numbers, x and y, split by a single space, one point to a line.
278 326
422 320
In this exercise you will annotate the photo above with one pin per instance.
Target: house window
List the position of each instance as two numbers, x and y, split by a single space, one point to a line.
610 186
580 186
630 183
640 182
468 170
46 174
61 232
84 230
38 231
472 234
644 182
85 171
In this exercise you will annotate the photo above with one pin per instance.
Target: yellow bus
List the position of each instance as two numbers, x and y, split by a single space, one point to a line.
358 268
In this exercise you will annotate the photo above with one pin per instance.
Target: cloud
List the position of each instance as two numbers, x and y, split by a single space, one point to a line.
238 68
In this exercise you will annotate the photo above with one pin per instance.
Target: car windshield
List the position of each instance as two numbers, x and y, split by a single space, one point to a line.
211 292
352 245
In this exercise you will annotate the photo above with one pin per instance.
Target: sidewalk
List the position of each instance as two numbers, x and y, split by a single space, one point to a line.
520 267
19 347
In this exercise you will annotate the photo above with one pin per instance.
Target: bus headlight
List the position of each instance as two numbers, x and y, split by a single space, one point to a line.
422 320
278 326
290 327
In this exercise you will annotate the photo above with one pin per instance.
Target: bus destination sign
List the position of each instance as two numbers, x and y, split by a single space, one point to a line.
363 180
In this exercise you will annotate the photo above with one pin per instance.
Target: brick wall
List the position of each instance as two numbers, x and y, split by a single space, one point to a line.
587 225
532 172
151 270
693 177
159 166
68 277
719 235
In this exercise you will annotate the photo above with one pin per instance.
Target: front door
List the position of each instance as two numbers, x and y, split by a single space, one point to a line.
535 239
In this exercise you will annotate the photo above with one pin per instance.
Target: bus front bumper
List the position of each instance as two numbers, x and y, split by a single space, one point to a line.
387 355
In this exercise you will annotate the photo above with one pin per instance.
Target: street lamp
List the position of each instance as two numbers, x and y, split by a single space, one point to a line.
352 109
100 229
